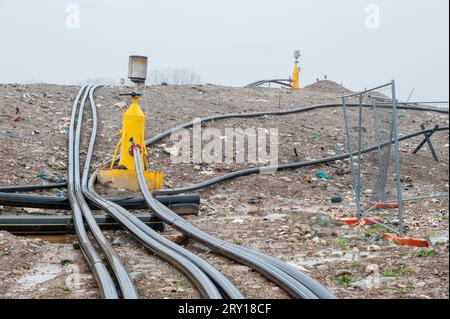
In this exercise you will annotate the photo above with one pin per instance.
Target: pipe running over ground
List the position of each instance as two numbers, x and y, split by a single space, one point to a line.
81 210
101 274
56 202
283 82
296 288
208 280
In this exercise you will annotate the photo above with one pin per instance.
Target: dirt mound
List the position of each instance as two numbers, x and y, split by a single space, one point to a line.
328 86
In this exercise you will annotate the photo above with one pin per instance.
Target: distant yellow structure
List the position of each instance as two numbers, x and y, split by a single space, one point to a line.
296 77
296 71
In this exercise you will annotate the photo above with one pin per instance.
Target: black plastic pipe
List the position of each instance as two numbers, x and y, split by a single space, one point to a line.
261 82
50 224
124 280
291 285
101 274
55 202
152 240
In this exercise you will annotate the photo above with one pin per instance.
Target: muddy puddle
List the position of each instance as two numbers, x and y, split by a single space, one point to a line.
327 256
39 275
55 239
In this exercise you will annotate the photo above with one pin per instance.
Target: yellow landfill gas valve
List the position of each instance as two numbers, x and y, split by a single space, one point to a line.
296 77
124 176
133 127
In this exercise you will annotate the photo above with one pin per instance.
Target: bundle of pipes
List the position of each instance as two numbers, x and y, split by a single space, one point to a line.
207 279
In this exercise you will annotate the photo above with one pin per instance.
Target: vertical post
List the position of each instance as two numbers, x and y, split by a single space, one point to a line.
397 160
382 179
358 190
350 152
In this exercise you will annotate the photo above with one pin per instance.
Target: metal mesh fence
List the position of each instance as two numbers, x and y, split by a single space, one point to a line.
371 120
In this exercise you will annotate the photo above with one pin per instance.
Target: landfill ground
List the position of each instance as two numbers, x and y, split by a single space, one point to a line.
287 214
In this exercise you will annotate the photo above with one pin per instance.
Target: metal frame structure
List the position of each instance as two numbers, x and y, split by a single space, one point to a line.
356 176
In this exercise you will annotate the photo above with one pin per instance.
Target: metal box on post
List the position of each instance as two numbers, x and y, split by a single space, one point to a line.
137 69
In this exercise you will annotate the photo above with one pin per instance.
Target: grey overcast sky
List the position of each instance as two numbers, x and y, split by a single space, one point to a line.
232 42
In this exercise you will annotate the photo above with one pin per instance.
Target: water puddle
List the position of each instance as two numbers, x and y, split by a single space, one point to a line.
56 239
438 238
39 275
327 256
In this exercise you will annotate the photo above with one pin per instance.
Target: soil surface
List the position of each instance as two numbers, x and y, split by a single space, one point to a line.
287 214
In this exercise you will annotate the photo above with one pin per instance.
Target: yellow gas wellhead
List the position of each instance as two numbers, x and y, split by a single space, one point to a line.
133 127
296 77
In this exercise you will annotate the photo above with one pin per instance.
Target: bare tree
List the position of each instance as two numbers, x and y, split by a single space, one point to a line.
173 76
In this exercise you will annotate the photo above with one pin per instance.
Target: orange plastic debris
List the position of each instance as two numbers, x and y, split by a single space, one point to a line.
352 221
385 205
409 241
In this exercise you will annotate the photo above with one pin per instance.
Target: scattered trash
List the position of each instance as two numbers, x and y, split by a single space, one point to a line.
442 214
275 217
401 114
406 179
323 176
18 118
352 221
118 242
238 221
336 199
323 220
373 248
121 105
253 200
384 205
375 239
307 179
41 176
173 151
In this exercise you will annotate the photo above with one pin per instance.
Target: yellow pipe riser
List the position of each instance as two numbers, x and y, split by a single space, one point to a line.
296 77
133 125
124 177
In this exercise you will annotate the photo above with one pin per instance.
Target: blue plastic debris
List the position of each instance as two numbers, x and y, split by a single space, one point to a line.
323 176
